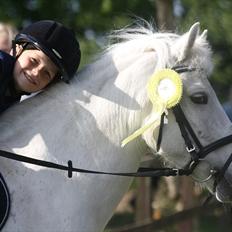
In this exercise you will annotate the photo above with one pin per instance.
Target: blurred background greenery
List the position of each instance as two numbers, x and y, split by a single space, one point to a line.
92 20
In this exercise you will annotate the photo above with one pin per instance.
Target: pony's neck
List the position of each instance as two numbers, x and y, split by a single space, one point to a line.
120 78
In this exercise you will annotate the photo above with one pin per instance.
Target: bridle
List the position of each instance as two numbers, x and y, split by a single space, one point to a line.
193 146
196 150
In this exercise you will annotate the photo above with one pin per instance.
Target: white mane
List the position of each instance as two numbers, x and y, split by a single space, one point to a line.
145 39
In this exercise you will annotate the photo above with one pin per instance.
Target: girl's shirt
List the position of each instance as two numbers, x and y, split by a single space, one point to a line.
8 95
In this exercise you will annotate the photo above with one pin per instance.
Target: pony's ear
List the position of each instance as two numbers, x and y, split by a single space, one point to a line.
187 41
204 34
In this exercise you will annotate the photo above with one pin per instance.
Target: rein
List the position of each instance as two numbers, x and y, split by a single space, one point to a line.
142 172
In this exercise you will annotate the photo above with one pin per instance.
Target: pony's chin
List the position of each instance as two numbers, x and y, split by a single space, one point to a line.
224 192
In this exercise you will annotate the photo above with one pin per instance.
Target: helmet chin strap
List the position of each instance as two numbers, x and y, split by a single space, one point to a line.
17 51
14 48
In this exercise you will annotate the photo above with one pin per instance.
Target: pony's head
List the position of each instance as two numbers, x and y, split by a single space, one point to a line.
179 90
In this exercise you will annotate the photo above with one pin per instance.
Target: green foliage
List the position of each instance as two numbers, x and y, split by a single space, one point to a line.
101 16
214 15
98 16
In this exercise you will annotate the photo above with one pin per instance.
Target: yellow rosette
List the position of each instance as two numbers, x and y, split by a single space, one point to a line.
164 90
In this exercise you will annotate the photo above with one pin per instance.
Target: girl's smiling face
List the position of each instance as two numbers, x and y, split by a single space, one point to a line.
33 71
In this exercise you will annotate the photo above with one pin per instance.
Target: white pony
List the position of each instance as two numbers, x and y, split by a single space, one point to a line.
86 122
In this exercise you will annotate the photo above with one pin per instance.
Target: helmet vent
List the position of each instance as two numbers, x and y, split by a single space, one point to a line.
50 31
57 53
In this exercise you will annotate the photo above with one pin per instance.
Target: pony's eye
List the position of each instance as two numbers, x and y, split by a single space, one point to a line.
199 98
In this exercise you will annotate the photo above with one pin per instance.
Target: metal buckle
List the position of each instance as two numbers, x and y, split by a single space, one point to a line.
191 165
177 171
189 150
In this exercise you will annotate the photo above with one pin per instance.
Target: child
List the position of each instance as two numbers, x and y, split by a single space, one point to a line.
43 52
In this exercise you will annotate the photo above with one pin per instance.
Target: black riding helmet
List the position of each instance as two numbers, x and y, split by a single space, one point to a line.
56 41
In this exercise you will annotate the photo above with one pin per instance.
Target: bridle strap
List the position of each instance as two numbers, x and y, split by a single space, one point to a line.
215 145
183 123
160 135
186 129
182 68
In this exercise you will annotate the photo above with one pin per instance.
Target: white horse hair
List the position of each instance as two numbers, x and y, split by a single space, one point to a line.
86 121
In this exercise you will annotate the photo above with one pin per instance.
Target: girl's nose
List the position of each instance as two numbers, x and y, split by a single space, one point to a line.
37 71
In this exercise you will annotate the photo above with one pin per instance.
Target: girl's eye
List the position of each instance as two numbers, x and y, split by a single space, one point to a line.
48 75
34 61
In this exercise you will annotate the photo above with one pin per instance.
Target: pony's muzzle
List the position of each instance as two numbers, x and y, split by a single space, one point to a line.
224 191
